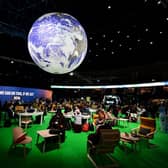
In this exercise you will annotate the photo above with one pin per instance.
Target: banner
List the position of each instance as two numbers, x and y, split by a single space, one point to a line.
25 95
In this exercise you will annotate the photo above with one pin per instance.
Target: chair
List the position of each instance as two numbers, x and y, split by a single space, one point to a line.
20 138
108 140
146 129
26 120
19 109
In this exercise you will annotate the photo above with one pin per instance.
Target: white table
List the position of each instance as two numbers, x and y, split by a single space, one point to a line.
70 115
45 134
53 112
30 114
86 117
91 110
122 121
128 138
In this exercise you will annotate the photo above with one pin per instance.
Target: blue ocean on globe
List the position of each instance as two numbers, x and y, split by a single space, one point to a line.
57 43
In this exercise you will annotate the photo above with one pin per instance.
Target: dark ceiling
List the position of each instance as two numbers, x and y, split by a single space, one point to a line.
127 41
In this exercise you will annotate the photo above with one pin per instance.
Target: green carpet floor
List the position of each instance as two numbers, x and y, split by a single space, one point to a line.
72 153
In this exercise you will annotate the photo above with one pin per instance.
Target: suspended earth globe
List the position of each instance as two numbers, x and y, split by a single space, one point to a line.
57 43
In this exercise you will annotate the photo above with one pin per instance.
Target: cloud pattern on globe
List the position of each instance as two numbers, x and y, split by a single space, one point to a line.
57 43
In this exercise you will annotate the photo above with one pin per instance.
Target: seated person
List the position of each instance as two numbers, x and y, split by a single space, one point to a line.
85 110
57 122
29 109
101 118
77 123
67 108
111 118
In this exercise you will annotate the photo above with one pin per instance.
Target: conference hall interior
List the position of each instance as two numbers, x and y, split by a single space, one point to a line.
84 83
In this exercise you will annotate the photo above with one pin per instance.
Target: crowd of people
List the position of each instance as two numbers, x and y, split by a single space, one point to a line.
130 111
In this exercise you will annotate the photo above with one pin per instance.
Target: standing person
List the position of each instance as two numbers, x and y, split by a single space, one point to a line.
9 114
154 108
162 109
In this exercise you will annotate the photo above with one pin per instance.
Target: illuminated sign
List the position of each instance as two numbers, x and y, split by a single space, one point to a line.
8 93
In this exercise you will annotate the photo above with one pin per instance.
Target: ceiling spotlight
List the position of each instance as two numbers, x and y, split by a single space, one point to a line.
71 73
146 29
159 2
151 42
109 7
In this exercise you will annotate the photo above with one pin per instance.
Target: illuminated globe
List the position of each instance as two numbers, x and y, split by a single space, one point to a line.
57 43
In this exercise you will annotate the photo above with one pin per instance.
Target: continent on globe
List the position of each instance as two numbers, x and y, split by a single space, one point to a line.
57 43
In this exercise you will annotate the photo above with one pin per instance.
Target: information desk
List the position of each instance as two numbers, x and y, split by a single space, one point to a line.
26 114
